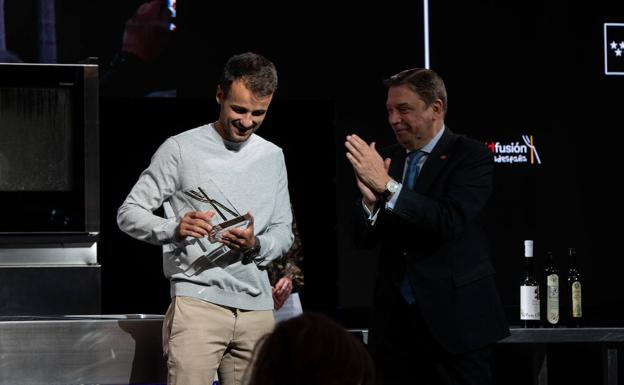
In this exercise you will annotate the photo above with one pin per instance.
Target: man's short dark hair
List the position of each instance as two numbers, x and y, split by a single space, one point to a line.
425 82
257 72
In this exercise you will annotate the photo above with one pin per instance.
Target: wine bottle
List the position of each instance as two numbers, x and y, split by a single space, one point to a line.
552 291
575 294
529 291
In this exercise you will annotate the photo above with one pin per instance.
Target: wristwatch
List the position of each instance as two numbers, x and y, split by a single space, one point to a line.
391 187
251 253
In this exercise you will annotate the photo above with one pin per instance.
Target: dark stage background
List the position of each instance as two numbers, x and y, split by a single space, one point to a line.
533 68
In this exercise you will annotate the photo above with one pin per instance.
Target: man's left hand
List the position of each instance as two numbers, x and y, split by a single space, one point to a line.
240 239
370 168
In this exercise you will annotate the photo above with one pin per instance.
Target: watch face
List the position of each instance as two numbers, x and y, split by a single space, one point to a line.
392 186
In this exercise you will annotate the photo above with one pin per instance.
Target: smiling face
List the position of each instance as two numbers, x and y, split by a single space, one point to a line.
414 123
241 113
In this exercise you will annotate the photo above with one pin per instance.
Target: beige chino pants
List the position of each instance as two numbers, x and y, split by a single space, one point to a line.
201 338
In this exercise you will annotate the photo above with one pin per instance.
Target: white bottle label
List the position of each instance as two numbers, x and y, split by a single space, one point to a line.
577 307
529 303
552 300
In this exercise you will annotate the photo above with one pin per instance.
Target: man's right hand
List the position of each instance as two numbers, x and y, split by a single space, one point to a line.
368 196
371 170
194 224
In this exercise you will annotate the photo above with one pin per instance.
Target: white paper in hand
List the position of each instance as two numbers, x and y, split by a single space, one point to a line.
292 308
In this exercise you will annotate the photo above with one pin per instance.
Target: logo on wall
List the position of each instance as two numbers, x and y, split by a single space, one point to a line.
614 48
515 152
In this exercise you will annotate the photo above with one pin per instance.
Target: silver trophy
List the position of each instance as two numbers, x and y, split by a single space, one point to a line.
218 228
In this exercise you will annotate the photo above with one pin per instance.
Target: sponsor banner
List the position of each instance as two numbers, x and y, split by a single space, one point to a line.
513 152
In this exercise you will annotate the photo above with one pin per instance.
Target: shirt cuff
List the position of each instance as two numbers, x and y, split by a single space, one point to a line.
372 216
390 204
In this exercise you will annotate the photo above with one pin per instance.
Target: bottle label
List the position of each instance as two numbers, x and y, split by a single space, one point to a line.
529 303
577 307
552 302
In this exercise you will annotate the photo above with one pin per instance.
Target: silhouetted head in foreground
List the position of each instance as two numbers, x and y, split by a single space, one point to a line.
311 349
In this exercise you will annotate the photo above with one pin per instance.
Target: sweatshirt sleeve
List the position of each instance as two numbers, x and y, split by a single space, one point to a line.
157 183
277 238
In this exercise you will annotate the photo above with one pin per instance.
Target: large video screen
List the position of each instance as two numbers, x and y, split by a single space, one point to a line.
540 84
36 139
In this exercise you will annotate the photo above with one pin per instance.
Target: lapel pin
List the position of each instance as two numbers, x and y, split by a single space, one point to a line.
443 157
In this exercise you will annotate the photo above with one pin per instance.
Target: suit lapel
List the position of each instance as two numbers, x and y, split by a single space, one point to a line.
435 162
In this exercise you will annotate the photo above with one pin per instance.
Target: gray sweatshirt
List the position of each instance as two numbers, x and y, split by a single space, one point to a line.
248 177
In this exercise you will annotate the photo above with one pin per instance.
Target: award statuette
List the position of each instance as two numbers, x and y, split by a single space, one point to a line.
218 229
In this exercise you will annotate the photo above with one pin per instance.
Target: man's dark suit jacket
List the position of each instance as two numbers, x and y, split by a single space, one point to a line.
435 233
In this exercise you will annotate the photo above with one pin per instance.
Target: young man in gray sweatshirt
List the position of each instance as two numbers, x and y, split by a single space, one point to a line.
206 177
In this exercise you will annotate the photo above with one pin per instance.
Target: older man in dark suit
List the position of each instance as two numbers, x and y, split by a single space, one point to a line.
436 311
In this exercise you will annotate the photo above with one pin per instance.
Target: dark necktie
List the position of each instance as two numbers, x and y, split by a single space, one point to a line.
412 168
410 178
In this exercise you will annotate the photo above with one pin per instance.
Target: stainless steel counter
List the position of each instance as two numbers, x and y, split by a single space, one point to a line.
609 338
103 349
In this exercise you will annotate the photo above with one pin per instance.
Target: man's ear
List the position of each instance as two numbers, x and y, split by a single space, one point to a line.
438 107
219 96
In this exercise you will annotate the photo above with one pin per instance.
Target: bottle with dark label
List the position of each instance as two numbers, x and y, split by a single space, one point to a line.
529 291
552 291
575 294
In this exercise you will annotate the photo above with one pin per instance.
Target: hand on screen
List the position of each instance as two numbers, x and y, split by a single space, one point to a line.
147 31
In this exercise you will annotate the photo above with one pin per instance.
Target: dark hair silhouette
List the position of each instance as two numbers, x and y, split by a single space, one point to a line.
311 349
